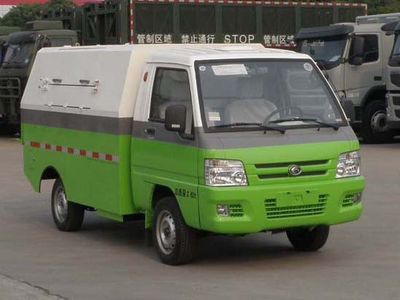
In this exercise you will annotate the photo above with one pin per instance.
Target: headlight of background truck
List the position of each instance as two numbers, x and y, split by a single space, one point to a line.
348 165
224 172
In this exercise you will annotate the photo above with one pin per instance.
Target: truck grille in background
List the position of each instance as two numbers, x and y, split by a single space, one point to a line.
273 211
10 88
396 100
395 79
280 170
236 210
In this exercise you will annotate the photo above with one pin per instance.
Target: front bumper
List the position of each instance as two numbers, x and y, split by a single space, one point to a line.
261 208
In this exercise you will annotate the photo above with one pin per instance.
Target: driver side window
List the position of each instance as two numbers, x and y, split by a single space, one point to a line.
171 87
371 48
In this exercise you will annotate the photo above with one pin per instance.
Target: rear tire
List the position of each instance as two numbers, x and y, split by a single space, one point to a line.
174 241
67 215
374 124
308 239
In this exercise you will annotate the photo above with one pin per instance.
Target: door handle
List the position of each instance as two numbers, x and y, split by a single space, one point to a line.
150 132
377 78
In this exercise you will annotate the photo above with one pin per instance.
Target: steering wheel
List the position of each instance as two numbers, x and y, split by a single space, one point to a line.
293 110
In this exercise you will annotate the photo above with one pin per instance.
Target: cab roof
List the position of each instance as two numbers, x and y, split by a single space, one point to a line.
186 54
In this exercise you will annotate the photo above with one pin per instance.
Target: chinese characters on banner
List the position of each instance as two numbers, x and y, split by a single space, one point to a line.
269 40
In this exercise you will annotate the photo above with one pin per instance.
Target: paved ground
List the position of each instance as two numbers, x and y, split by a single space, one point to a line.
107 260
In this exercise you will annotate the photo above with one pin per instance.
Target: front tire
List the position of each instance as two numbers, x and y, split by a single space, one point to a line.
174 241
308 239
68 216
374 124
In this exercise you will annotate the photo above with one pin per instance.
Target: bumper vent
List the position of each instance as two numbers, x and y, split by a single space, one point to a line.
348 200
274 211
236 210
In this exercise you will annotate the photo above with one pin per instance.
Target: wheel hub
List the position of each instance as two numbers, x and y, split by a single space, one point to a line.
166 233
378 121
61 205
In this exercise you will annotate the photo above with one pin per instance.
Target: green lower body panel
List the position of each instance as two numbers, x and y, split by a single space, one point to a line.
260 208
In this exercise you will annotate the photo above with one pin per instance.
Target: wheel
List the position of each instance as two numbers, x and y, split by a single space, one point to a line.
308 239
174 241
68 216
374 126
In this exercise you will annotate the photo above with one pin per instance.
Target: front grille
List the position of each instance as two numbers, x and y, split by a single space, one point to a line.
395 79
396 100
10 88
236 210
274 211
280 170
348 200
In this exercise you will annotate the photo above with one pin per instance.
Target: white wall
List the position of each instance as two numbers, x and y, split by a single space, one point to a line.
4 9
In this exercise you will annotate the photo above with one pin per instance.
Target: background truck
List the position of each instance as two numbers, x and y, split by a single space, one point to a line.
17 63
194 139
393 75
354 58
272 23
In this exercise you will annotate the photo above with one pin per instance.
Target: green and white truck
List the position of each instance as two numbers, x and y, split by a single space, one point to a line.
194 139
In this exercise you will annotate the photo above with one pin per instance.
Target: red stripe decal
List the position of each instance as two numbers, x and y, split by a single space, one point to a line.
95 155
47 146
70 150
35 144
82 152
108 157
58 148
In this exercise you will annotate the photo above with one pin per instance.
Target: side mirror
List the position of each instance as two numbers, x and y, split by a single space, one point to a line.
358 44
357 61
348 108
175 118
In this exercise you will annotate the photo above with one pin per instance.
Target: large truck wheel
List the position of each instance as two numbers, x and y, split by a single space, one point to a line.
175 242
374 124
308 239
68 216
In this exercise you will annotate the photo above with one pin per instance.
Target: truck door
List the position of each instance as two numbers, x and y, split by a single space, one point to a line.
359 79
161 157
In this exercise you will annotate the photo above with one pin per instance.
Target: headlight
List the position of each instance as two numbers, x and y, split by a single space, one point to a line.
224 172
348 165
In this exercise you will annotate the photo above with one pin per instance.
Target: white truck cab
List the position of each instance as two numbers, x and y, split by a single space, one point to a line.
393 75
353 57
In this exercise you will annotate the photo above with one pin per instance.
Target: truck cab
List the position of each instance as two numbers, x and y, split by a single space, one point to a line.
353 57
393 75
19 53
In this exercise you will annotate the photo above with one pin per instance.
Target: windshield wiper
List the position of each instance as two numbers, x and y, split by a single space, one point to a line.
334 126
238 124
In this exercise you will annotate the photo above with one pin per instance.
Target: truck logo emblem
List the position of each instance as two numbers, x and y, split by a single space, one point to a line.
294 170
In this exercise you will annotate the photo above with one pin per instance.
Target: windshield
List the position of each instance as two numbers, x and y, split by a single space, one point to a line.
251 94
326 52
394 60
18 54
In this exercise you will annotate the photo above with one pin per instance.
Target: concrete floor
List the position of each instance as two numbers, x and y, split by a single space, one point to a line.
107 260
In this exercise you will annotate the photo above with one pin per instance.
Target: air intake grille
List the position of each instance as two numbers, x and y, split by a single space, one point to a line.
10 87
348 200
280 170
236 210
273 211
396 100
